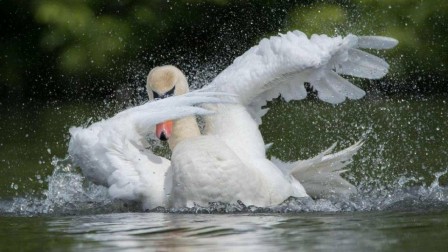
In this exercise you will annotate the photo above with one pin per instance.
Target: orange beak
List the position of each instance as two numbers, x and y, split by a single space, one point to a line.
163 130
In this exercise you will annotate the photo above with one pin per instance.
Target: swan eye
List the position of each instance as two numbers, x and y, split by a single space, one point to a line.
165 95
155 95
170 92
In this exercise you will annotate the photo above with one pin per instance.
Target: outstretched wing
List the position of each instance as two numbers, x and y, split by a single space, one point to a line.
112 152
282 64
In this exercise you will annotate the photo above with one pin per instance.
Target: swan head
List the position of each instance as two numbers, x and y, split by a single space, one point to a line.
162 82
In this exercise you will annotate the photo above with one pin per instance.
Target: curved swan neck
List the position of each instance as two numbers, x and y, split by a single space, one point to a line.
183 129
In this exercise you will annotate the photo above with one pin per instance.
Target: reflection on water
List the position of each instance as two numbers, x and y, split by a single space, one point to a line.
375 231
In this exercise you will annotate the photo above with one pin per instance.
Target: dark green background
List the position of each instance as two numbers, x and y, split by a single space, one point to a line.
65 61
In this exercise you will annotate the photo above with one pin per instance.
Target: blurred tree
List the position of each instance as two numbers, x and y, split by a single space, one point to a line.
418 63
18 49
70 49
88 48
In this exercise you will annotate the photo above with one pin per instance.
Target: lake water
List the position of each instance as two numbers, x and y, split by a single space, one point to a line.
401 174
359 231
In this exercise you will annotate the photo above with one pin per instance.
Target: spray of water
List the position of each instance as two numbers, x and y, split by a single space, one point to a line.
69 193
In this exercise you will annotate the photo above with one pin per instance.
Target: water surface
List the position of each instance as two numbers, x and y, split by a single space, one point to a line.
361 231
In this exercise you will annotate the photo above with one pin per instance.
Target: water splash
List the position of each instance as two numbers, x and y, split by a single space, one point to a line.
69 193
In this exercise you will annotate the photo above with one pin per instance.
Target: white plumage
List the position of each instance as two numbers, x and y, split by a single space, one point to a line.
114 152
282 65
228 161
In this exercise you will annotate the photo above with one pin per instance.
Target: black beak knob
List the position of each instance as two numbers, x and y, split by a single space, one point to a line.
163 137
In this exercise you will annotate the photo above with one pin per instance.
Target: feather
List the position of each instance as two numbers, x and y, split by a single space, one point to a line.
281 64
376 42
320 175
343 86
363 65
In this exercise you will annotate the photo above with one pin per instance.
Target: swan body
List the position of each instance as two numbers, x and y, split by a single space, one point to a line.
208 169
227 162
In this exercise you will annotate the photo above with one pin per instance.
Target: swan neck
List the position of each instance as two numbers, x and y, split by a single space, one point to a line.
183 129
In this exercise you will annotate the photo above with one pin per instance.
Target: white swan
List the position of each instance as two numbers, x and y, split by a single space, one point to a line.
227 162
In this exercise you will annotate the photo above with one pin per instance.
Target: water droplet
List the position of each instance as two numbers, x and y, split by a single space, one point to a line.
14 186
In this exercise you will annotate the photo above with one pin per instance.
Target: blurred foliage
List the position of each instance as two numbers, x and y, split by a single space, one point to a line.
77 49
419 62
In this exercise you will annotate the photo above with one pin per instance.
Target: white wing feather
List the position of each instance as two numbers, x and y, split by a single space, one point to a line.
282 64
112 152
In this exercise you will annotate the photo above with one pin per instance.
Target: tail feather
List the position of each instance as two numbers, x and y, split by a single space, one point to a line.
320 175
